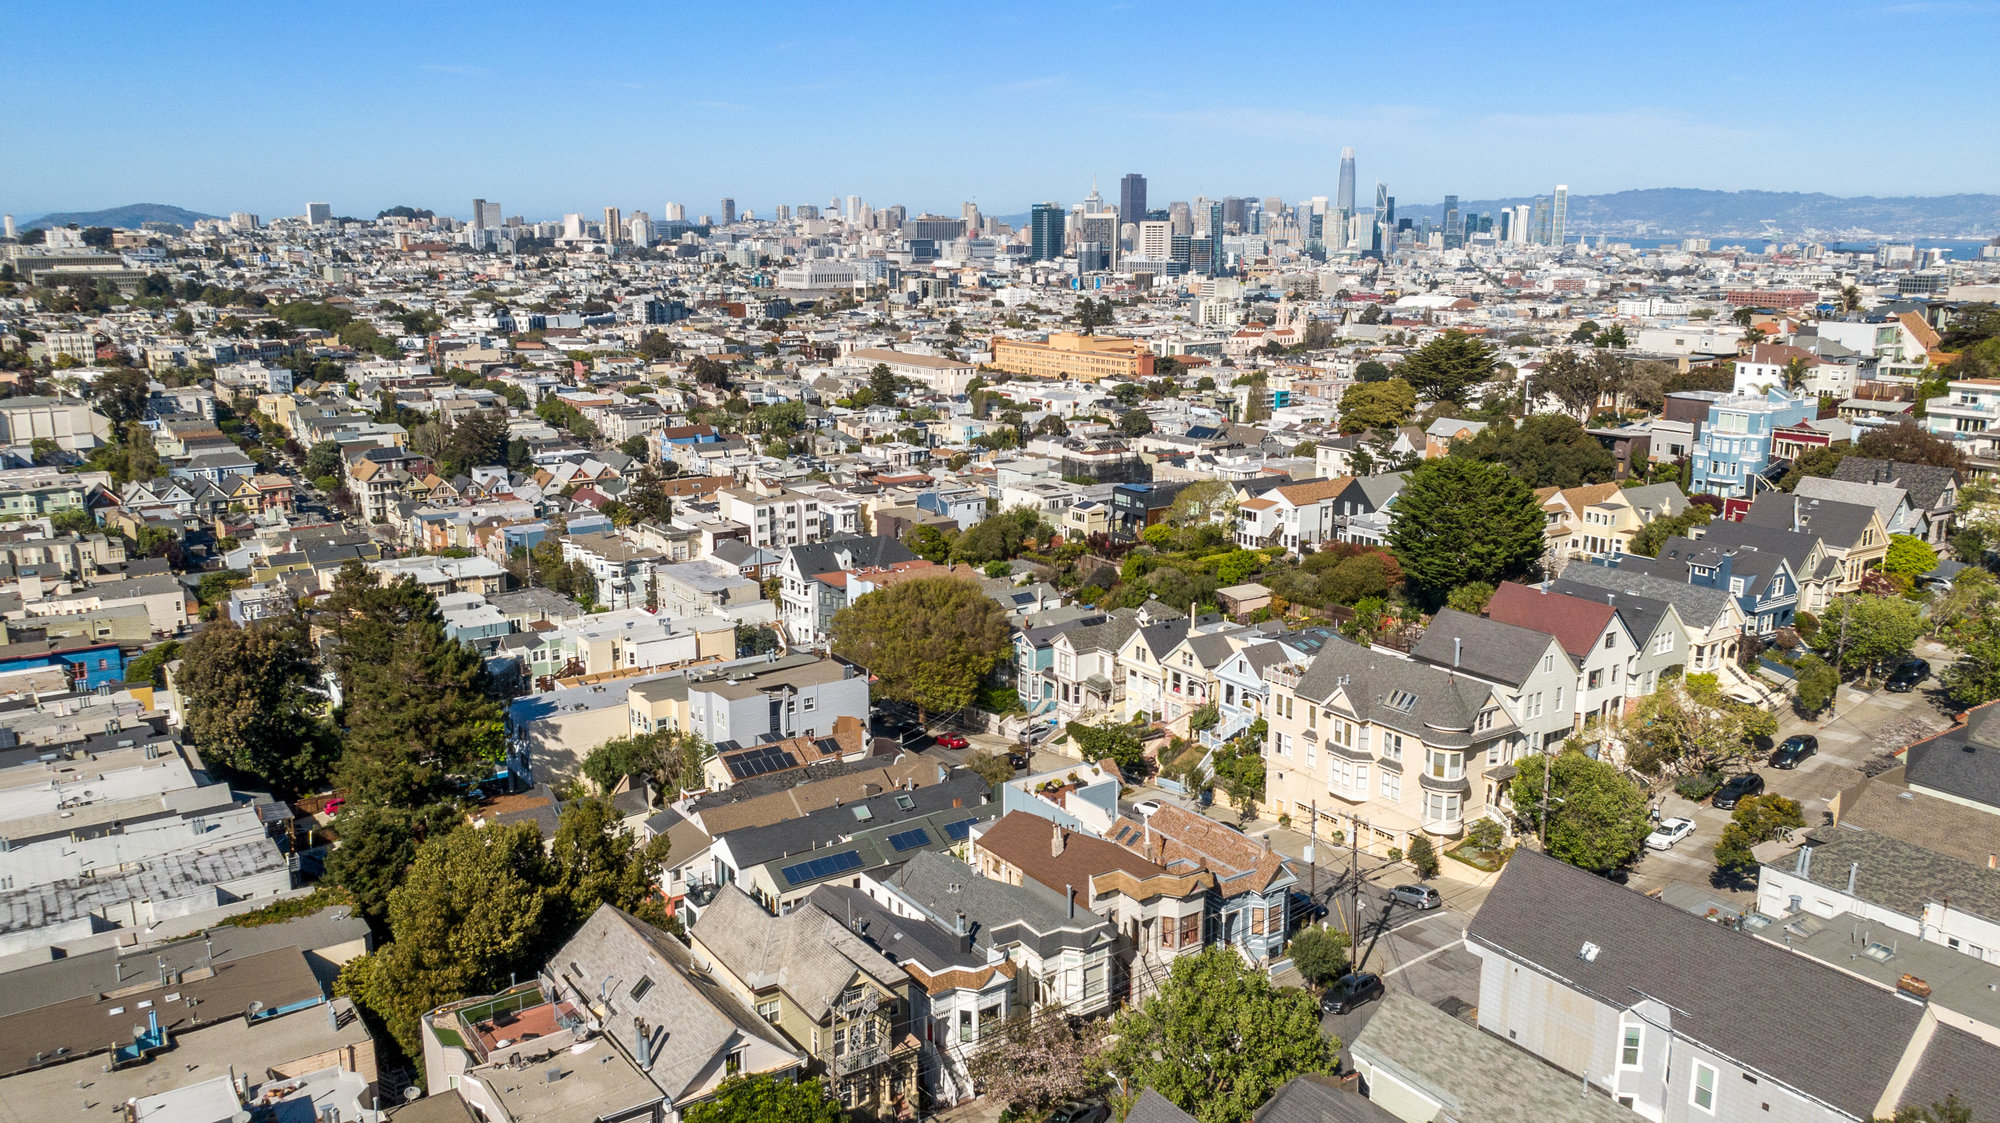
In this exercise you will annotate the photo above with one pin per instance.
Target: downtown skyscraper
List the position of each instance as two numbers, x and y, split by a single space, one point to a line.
1343 199
1132 199
1045 232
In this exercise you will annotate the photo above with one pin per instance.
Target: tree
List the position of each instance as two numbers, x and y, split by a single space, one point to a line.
1906 442
758 1098
993 768
1423 856
1459 520
1576 383
997 537
323 459
1119 743
1689 724
1866 631
470 913
1543 450
1817 681
251 704
1038 1059
1758 818
1135 423
477 440
1471 597
1217 1038
929 542
1814 462
1446 367
1647 542
1371 370
1596 818
377 846
593 862
928 642
122 393
1909 556
669 758
1376 405
1320 954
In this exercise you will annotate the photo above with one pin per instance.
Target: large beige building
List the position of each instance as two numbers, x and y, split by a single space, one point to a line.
1070 355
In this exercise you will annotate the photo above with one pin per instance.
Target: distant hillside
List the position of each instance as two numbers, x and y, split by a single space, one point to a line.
127 217
1687 210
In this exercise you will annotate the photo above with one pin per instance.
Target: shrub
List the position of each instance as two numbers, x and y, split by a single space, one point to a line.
1698 786
1485 835
1423 856
1395 853
1320 954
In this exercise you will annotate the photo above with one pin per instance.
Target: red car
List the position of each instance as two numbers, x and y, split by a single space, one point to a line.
952 741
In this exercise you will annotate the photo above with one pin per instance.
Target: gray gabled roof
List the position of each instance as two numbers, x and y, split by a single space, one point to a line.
1541 912
1000 915
1642 615
1441 707
1478 646
692 1018
1963 762
1926 483
825 557
1885 498
806 953
1839 525
1699 606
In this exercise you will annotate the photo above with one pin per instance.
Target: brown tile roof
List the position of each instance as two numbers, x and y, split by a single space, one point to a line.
1301 494
1182 840
1026 842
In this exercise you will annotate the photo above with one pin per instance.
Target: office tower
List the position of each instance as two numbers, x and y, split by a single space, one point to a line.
1538 223
807 211
1182 216
572 227
479 214
1454 225
1236 213
1523 226
318 214
7 227
1155 240
865 217
639 229
1093 202
1204 254
1213 225
853 211
728 211
1180 249
673 212
1506 228
893 216
1045 232
1101 229
1559 215
784 212
1132 198
1345 198
614 226
970 213
490 218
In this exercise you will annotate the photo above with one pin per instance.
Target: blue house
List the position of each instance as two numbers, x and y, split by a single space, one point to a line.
89 663
1732 456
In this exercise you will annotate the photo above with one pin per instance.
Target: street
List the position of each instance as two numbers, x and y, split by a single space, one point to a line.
1867 729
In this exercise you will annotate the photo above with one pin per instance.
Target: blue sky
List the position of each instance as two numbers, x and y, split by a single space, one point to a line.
553 108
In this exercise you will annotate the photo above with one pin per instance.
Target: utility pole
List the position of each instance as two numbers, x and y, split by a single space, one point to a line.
1312 867
1546 768
1354 875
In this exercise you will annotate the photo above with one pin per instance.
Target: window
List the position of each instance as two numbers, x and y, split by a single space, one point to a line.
1664 643
1343 733
1533 704
1445 765
1392 746
1392 786
1596 679
1441 807
1548 662
1702 1093
768 1011
1610 640
734 1063
1628 1053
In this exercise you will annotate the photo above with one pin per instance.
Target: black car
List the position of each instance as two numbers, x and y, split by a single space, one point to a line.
1738 788
1349 992
1018 761
1794 750
1304 908
1906 676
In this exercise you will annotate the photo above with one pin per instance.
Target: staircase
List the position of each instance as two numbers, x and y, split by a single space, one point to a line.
1746 687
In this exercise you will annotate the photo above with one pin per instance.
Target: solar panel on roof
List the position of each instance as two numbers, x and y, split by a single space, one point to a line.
817 868
760 761
960 829
910 840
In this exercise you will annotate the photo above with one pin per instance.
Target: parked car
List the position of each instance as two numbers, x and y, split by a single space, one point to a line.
1416 896
1669 832
1738 788
1018 761
1080 1113
1795 749
1351 991
1305 908
1037 734
1906 676
1145 808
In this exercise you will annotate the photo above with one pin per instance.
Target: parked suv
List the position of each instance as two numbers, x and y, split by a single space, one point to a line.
1349 992
1737 789
1416 896
1794 750
1908 675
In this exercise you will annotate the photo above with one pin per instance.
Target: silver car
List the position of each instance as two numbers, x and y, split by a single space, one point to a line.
1416 896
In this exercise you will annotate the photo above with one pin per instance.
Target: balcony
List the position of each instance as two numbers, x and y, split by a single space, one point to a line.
1450 828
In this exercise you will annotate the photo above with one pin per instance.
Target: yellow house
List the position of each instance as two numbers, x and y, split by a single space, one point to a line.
1073 355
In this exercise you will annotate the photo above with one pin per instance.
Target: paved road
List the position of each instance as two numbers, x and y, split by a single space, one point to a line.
1867 728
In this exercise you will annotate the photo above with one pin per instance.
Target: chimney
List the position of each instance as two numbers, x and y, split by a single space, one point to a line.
1056 841
1069 895
964 935
643 1044
957 801
1853 869
1457 643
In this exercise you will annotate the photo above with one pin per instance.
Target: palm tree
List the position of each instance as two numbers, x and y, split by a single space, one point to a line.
1850 299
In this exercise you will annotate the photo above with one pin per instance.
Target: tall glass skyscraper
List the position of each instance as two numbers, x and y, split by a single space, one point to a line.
1132 199
1343 200
1560 215
1045 232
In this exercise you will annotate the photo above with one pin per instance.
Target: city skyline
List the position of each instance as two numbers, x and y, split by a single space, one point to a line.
456 102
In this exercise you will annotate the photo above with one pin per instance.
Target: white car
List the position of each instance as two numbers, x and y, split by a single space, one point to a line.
1669 832
1145 808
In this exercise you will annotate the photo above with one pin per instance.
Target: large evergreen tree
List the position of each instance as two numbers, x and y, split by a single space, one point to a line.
1543 450
928 642
1458 520
250 707
1446 367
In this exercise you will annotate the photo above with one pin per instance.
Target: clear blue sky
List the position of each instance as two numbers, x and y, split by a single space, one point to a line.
551 107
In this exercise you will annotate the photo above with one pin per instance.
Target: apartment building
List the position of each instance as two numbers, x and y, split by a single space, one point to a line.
1968 415
1384 749
777 518
1732 455
1071 356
